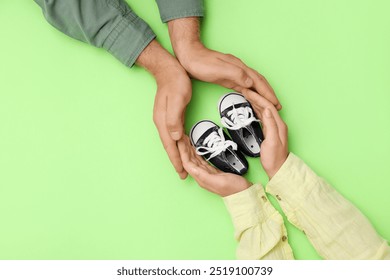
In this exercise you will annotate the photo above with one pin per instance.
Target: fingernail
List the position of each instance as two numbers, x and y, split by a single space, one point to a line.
175 135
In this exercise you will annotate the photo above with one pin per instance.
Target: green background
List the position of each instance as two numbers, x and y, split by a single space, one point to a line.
83 174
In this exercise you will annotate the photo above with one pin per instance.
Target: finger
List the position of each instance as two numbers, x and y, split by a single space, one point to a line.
174 116
190 150
201 175
171 149
207 178
232 59
270 127
188 154
198 160
203 163
261 85
193 169
174 156
282 127
185 152
234 75
258 102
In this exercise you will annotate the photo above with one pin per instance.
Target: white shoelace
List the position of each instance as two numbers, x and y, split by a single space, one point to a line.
215 144
240 117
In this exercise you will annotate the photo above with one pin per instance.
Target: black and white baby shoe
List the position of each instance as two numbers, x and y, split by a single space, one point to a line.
215 146
244 128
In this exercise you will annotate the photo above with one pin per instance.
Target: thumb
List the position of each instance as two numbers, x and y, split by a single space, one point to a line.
174 117
271 132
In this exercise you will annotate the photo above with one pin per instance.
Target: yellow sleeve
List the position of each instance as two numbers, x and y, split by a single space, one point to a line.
259 228
335 227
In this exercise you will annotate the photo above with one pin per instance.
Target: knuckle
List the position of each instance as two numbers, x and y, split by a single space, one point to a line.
241 73
269 106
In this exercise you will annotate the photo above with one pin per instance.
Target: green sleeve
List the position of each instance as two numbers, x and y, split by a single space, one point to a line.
173 9
108 24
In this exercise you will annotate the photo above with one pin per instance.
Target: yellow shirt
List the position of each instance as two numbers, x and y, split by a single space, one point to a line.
336 228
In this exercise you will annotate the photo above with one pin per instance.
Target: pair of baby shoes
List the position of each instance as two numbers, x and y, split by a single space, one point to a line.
246 136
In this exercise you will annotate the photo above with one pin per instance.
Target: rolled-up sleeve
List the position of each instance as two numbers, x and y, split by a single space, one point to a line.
108 24
259 228
335 227
173 9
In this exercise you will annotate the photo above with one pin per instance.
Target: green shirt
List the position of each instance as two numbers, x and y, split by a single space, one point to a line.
111 24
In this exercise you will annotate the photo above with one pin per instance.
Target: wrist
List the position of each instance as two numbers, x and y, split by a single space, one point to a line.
271 172
277 164
155 59
185 38
238 187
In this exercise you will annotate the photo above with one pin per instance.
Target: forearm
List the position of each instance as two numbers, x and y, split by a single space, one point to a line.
335 227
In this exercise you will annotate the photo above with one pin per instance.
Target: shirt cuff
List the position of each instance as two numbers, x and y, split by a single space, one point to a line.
292 182
249 207
129 38
173 9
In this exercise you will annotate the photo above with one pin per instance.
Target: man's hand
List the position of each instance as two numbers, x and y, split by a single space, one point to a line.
173 95
207 176
211 66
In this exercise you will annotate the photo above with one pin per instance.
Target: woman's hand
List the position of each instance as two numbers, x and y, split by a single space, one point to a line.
274 149
207 176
